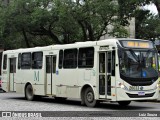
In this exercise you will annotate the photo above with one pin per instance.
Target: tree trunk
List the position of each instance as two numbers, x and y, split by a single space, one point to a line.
51 35
54 38
90 31
83 30
25 38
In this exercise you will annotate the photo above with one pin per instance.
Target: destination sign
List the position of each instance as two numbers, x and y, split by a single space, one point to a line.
103 47
137 44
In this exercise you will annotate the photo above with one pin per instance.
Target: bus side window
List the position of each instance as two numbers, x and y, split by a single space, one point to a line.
37 60
54 64
4 62
70 58
60 59
113 63
86 57
26 61
19 61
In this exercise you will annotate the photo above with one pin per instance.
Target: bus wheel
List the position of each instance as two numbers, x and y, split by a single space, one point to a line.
29 92
124 103
89 97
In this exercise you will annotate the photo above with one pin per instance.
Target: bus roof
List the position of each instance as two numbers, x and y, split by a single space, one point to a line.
104 42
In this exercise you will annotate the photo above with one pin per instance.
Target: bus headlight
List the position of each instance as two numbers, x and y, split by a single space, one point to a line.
122 86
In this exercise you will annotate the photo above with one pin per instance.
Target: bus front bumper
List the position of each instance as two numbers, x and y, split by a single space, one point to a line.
124 95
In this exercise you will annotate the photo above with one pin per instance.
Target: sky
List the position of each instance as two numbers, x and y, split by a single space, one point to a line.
152 8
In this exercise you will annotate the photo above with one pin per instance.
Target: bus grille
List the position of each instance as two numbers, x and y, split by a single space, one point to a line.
139 81
140 96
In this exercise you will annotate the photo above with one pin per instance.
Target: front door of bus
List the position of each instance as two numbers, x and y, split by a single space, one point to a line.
50 72
12 72
106 71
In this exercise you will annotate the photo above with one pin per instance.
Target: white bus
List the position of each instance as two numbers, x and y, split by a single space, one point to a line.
120 70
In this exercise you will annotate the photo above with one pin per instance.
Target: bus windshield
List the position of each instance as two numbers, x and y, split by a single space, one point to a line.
136 63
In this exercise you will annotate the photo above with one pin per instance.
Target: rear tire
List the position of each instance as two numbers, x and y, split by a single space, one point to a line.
124 103
89 97
29 95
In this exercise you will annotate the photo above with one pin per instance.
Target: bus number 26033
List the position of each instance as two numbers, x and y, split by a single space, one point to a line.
135 88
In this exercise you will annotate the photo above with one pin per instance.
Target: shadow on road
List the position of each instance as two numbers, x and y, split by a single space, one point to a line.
103 105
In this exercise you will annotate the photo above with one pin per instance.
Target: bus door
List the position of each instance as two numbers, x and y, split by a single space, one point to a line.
12 71
106 71
50 72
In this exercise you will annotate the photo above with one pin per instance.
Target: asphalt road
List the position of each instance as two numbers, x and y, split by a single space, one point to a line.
72 108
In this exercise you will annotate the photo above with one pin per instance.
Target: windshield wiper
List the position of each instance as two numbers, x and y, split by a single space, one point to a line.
137 58
134 55
147 54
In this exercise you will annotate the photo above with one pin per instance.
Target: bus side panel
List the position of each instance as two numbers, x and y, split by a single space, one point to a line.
33 77
66 81
38 81
73 92
20 88
5 85
87 77
61 91
39 89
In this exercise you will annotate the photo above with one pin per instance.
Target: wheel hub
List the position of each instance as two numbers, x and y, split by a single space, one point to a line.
90 97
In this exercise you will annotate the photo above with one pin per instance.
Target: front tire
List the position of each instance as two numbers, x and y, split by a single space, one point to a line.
124 103
29 95
89 97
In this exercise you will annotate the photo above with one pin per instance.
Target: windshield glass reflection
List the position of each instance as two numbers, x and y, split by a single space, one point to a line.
138 63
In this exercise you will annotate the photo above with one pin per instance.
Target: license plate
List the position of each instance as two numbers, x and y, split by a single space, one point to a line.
141 93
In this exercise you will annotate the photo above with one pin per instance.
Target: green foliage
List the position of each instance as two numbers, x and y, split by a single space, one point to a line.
28 23
147 25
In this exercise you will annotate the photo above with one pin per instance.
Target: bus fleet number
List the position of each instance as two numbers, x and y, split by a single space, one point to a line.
135 88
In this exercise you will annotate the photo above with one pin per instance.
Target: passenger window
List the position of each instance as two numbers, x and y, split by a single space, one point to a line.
51 64
37 60
70 58
26 61
113 63
5 62
54 64
48 64
86 57
60 59
12 65
19 60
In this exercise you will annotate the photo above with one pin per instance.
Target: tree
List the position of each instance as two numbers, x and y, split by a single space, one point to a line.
47 22
128 7
147 25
